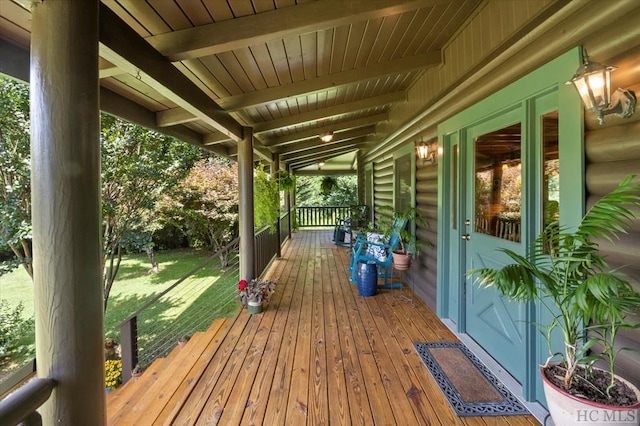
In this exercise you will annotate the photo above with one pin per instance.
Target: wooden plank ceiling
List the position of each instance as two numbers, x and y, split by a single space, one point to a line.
290 69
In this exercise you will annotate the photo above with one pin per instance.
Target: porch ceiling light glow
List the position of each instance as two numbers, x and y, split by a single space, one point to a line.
320 164
326 137
593 83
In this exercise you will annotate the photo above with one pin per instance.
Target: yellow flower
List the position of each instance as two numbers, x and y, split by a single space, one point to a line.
113 372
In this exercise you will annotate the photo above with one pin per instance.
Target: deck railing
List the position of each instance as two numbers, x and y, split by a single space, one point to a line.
145 335
20 406
264 249
323 216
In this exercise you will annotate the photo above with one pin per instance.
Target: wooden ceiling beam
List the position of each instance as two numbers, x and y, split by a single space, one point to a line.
337 138
122 46
17 65
313 133
311 159
259 150
225 36
214 138
107 69
322 83
324 150
15 60
115 104
330 112
324 172
173 116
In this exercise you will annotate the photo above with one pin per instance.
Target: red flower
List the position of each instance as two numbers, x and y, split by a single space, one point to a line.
242 285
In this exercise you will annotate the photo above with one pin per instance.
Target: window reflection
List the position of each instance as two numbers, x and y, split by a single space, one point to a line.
550 178
551 175
498 183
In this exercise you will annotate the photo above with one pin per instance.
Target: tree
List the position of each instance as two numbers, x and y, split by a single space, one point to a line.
138 166
205 204
15 179
309 192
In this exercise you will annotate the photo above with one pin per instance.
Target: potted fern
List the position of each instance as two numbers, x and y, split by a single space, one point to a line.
588 303
408 244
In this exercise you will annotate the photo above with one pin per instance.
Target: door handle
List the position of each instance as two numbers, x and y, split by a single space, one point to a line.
466 237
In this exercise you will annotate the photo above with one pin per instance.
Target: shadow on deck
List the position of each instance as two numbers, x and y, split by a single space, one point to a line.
319 354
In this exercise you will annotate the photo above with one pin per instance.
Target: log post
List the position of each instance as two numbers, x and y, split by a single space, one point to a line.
246 222
65 182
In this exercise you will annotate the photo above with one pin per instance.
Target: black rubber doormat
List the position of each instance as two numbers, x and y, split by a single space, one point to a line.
470 388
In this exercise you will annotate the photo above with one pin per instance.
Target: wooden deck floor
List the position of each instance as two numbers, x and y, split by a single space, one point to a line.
319 354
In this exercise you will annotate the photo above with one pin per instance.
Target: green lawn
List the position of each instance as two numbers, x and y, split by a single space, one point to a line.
133 287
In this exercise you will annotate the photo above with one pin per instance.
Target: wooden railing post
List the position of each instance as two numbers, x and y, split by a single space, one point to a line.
129 347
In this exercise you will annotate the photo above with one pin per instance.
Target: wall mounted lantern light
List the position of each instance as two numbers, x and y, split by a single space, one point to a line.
326 137
593 83
320 164
425 155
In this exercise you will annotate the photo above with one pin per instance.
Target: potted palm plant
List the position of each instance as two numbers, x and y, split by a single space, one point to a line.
588 303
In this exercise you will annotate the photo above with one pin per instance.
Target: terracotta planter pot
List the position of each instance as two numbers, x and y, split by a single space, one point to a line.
568 410
401 261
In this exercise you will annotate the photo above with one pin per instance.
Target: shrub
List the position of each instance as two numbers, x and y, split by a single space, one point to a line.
12 326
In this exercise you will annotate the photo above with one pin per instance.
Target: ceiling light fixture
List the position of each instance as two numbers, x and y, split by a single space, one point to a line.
593 83
326 137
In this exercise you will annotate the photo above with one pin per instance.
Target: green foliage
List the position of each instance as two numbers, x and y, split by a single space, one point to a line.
328 184
15 158
205 203
408 241
309 193
266 200
286 181
12 326
565 272
138 166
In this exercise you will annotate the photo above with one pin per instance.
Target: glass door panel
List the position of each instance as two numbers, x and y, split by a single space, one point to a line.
498 183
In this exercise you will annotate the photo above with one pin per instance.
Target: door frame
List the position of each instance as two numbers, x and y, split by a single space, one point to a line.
548 78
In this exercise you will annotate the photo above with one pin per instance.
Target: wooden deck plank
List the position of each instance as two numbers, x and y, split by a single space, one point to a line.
232 411
256 406
403 357
298 402
148 406
395 382
377 396
276 410
201 392
319 354
338 400
127 396
437 409
218 331
318 381
359 407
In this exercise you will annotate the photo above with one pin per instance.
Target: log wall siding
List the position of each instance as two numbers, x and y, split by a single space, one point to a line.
425 272
383 183
360 177
613 152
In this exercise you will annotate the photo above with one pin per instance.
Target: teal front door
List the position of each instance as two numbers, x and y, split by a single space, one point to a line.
500 182
493 219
